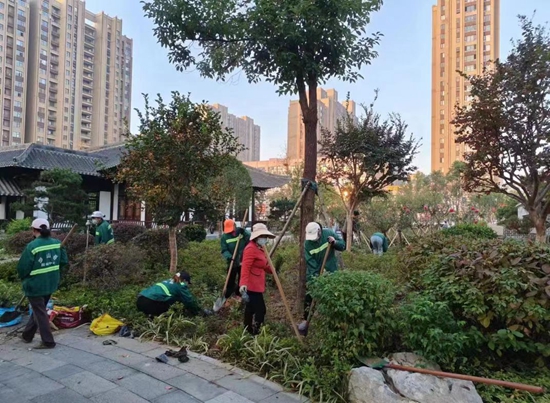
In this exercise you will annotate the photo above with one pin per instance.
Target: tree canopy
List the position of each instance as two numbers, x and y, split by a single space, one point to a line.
180 150
59 194
507 126
362 159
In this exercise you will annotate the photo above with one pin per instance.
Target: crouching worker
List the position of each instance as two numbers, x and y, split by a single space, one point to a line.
157 299
254 267
380 243
38 268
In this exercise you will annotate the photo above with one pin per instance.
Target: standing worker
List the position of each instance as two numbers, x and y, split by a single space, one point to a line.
255 265
316 244
158 298
38 268
228 242
103 230
379 243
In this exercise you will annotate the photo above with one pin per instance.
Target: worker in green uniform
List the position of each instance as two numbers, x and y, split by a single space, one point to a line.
157 299
38 268
228 242
380 243
103 230
315 247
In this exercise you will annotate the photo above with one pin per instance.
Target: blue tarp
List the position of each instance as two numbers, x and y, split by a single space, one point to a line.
14 322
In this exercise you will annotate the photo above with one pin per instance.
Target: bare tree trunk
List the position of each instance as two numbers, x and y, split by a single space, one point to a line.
540 227
173 242
349 229
308 106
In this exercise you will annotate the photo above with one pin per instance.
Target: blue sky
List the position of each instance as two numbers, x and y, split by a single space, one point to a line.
402 71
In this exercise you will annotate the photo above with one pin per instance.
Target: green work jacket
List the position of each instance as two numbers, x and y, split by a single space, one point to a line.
315 253
171 292
39 266
229 241
104 234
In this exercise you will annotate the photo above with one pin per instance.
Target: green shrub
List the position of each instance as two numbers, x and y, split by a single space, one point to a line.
8 271
10 293
471 231
500 287
430 329
203 261
154 243
110 267
386 265
15 226
194 233
355 315
125 232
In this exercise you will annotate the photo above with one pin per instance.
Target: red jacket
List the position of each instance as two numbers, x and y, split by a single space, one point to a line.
253 268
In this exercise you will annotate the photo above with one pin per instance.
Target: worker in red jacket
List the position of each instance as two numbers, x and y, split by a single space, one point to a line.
253 269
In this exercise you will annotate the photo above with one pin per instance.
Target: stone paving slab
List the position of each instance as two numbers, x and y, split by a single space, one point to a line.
83 370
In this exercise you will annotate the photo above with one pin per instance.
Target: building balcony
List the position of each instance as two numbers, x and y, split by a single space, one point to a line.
88 67
54 61
87 101
55 42
86 128
55 49
53 89
55 33
87 84
54 70
88 51
86 118
53 99
52 118
51 126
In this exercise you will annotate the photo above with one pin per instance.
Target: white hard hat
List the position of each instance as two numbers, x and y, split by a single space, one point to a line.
38 222
97 214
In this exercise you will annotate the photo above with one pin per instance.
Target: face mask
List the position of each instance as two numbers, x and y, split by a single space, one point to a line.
262 241
94 222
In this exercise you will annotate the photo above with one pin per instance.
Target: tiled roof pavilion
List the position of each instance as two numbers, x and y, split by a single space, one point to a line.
93 161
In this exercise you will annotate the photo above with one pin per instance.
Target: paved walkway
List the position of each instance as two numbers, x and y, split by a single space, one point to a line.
81 369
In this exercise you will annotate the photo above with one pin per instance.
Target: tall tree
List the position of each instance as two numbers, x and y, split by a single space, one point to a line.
294 44
179 150
507 126
362 159
59 194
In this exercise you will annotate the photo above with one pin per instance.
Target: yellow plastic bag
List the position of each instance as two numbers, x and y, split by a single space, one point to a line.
105 325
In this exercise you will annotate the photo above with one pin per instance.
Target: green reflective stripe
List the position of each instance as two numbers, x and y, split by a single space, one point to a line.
45 248
110 241
44 271
109 226
164 288
97 233
319 249
233 240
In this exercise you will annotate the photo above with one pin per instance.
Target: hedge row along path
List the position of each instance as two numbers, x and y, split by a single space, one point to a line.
81 369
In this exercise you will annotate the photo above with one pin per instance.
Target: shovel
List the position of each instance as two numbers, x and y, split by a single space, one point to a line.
378 363
219 303
304 330
12 315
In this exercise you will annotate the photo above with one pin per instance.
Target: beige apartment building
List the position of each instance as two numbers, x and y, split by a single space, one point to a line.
329 110
465 37
71 83
247 132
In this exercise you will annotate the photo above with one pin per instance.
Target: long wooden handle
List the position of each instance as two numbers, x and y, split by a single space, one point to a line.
282 292
282 234
69 234
233 258
488 381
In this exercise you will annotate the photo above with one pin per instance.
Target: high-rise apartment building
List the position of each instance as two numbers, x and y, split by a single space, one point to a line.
244 129
329 112
465 37
71 83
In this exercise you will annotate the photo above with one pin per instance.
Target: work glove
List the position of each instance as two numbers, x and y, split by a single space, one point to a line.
243 289
240 231
331 240
206 312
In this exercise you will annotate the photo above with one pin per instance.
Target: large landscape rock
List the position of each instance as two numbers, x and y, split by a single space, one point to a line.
368 385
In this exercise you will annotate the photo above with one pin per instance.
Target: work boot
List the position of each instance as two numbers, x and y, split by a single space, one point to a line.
45 346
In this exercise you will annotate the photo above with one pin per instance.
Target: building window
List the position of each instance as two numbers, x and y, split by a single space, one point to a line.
470 38
487 7
487 38
471 67
470 48
470 18
469 9
487 18
487 28
470 28
470 58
